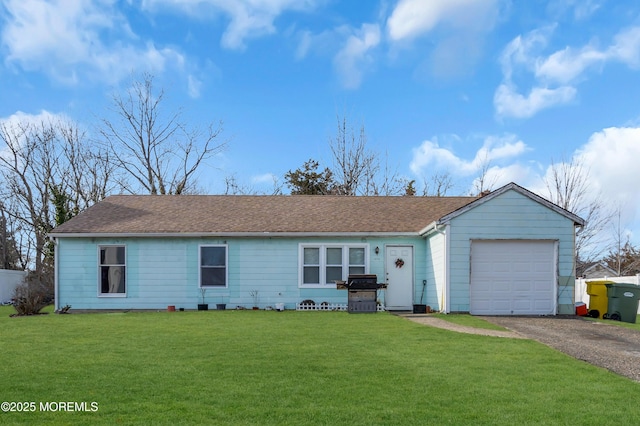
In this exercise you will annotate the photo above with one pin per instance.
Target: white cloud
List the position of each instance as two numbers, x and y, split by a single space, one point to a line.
510 103
612 159
568 64
247 18
626 47
351 49
498 176
582 9
413 18
609 160
495 150
355 55
522 50
66 40
22 118
555 76
194 85
304 44
456 31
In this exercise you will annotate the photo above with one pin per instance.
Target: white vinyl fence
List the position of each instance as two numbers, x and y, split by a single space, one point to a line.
9 280
581 286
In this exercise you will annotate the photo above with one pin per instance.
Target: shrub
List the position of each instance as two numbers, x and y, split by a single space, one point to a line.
34 293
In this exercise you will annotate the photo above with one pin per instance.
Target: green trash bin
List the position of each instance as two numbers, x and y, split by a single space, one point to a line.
623 302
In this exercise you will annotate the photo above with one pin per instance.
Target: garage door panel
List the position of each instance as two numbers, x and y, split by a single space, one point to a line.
522 304
543 305
499 286
521 267
512 278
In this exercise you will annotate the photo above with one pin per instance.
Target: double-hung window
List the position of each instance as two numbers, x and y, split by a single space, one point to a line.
213 266
113 269
324 264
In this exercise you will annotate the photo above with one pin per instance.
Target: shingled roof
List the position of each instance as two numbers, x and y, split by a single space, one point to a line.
237 215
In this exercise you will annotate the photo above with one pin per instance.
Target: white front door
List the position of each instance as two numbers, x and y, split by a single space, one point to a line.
399 270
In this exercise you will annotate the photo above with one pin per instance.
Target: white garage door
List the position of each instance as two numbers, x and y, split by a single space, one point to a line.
513 278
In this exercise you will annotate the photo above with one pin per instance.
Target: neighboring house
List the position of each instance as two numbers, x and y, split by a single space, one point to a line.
594 270
507 253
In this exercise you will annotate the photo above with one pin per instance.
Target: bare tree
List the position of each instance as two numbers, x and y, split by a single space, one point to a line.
485 181
568 187
383 180
622 256
90 177
352 161
26 168
158 151
36 159
441 183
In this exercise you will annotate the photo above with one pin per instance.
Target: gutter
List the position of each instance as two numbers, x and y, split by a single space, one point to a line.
228 234
433 227
429 229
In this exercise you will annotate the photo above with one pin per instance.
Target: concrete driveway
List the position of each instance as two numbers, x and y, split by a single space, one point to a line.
605 345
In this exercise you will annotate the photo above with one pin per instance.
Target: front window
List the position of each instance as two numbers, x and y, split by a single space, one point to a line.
334 265
311 268
213 266
322 265
112 270
356 260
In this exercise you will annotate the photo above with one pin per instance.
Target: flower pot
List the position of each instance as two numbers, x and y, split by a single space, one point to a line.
255 308
203 306
221 306
171 308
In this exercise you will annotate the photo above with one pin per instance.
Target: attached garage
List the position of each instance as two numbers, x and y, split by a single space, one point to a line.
510 252
516 277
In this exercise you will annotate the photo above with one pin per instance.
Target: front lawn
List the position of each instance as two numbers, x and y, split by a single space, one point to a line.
267 367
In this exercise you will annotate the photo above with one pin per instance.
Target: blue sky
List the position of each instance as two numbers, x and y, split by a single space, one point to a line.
440 85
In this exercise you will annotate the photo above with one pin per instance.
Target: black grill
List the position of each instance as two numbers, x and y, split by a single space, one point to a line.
362 292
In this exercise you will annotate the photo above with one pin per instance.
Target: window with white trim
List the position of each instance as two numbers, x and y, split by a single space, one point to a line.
213 266
113 268
321 265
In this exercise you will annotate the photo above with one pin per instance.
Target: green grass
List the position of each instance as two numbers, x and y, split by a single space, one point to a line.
267 367
632 326
469 321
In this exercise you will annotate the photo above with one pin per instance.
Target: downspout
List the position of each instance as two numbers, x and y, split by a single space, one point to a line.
447 284
56 302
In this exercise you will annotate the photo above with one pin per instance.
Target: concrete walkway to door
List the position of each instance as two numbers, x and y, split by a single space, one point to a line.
432 321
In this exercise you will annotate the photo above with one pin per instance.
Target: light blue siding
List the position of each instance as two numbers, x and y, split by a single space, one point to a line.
165 271
510 215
